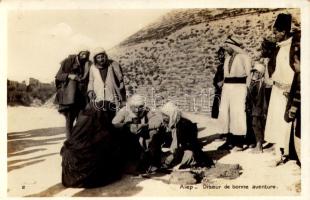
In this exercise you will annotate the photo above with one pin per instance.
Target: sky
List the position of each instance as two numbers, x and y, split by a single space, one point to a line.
38 40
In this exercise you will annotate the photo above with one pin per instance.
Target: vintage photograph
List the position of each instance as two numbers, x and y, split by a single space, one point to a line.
154 102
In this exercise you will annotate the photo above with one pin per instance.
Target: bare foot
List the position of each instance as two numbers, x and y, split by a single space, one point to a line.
257 150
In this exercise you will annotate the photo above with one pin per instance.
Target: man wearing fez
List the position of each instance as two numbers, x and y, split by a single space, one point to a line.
71 82
106 87
278 131
237 67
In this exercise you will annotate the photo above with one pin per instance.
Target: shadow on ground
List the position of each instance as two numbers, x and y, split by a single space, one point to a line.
30 161
19 141
49 192
127 186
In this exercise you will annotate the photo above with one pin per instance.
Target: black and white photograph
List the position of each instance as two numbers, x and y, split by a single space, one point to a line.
133 101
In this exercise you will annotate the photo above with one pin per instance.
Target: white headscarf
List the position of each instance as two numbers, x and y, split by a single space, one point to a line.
171 110
136 100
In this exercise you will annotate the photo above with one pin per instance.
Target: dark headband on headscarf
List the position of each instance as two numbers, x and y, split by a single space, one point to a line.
232 41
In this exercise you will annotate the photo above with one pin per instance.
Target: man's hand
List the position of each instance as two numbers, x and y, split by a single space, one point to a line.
138 128
142 129
72 76
91 95
292 112
133 128
220 84
268 81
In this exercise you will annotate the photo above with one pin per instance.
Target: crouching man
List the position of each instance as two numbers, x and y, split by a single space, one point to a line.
142 134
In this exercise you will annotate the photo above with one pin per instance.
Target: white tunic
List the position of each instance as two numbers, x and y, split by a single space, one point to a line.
277 129
101 89
232 108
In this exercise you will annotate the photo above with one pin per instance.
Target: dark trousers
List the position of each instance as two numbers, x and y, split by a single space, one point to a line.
258 125
70 116
236 140
250 134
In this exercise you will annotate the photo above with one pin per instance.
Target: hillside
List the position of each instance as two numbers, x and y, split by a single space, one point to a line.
175 57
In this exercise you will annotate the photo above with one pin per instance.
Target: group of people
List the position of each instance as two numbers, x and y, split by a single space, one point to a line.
261 103
114 134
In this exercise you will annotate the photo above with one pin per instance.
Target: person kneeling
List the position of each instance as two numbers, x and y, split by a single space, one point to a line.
141 134
186 151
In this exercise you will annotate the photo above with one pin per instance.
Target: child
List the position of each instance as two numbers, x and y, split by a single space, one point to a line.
256 104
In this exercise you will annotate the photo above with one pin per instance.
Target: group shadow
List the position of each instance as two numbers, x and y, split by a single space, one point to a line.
19 142
128 185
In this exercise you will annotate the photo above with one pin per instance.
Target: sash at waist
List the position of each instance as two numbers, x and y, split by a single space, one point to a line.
235 80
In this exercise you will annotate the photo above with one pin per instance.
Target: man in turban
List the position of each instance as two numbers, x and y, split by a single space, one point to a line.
142 133
237 67
106 87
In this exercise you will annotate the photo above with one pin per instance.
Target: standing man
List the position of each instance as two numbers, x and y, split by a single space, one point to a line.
278 131
106 87
71 82
237 67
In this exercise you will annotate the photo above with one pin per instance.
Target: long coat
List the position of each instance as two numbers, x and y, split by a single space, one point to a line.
70 92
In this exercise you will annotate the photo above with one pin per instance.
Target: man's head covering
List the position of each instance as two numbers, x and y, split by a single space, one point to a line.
171 110
259 67
136 100
232 40
283 22
84 51
97 51
235 44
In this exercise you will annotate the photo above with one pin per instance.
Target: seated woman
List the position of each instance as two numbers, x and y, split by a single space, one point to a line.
141 130
92 156
186 151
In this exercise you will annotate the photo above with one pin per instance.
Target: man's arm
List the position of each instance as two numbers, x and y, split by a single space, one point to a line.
119 119
120 79
62 74
247 62
90 86
155 120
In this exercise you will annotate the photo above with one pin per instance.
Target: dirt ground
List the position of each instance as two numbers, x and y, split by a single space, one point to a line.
34 164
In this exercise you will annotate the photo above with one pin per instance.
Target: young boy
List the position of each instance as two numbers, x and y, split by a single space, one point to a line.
256 104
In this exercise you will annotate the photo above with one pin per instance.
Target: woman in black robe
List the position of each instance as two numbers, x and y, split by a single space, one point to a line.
91 157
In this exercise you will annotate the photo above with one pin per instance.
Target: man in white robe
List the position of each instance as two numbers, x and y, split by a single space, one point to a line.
237 67
277 129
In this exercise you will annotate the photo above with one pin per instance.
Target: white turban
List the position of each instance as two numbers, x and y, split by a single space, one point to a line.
97 51
136 100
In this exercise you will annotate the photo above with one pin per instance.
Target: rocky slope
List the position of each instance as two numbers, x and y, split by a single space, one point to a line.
175 57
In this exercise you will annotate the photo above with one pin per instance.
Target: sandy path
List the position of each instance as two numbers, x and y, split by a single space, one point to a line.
34 164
